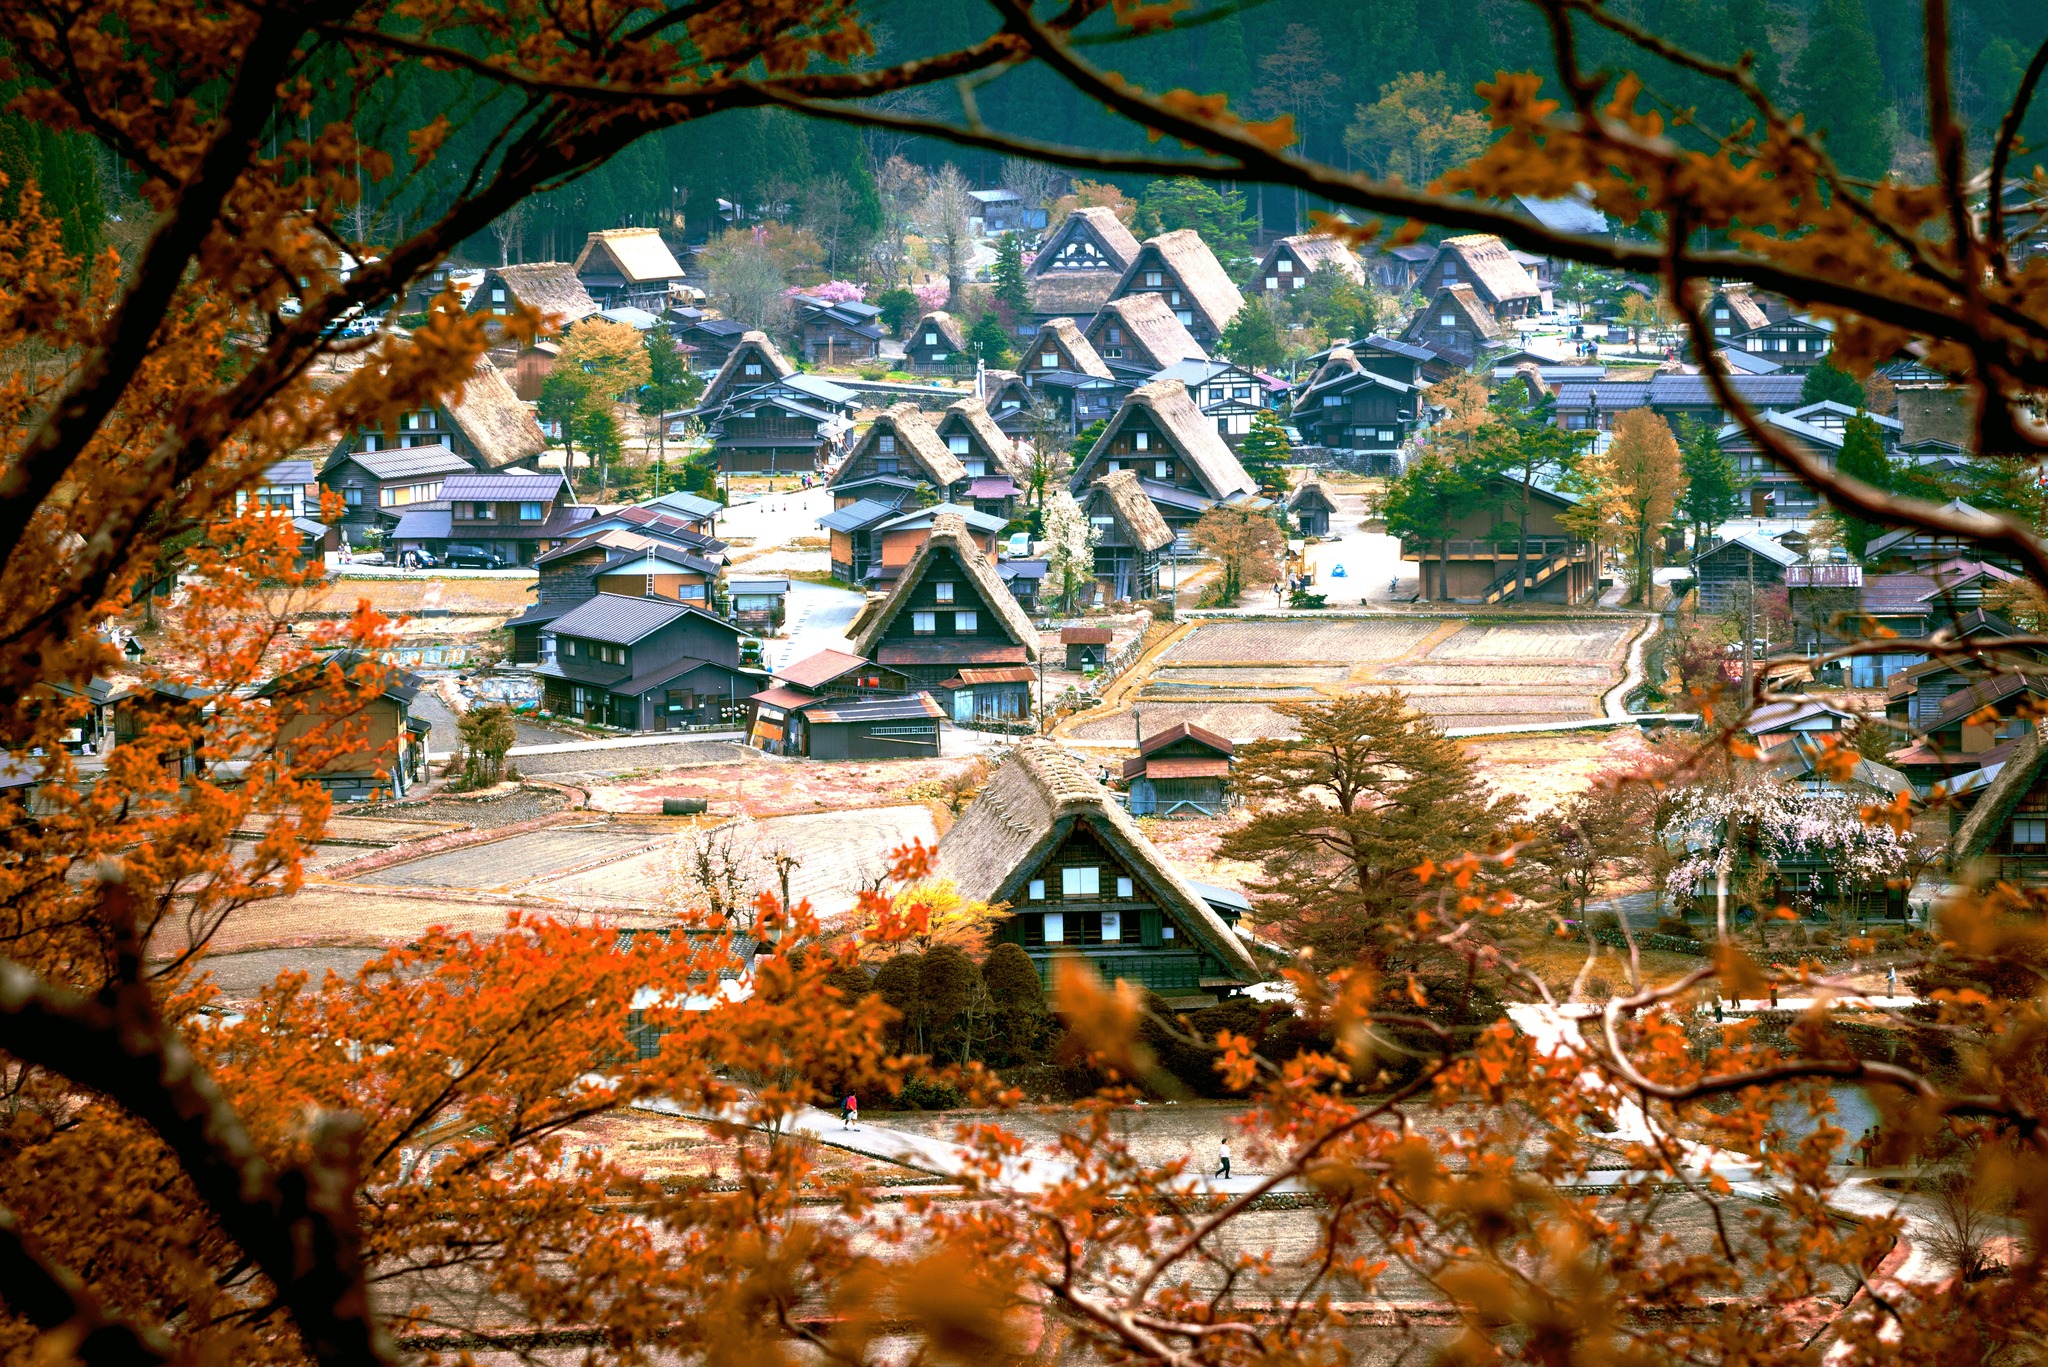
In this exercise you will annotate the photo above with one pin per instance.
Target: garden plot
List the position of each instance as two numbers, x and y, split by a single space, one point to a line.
1485 674
513 860
1562 641
1335 642
838 853
1243 675
1173 688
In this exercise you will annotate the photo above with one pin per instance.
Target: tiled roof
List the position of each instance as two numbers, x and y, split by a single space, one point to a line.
618 620
815 671
417 460
917 706
509 488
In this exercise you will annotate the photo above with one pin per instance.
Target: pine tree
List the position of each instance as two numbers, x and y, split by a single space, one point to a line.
1709 483
989 340
1839 82
1863 458
1252 338
1829 381
1266 450
1012 298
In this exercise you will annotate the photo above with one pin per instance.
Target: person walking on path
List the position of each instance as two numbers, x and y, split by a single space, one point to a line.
1223 1160
849 1113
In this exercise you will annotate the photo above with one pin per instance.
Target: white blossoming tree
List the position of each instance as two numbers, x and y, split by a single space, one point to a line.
1070 548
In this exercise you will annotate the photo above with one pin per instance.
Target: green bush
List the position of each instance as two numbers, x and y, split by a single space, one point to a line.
924 1094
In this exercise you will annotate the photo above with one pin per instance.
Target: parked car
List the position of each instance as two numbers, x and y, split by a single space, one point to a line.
416 559
460 557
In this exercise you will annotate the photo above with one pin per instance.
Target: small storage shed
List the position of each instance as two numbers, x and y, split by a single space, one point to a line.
1181 771
1087 647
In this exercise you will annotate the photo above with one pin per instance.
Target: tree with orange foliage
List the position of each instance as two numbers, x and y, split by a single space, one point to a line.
180 1186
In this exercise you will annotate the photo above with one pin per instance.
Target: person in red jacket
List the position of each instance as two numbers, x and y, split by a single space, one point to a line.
849 1113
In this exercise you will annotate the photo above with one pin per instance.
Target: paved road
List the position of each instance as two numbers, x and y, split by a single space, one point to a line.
776 519
818 616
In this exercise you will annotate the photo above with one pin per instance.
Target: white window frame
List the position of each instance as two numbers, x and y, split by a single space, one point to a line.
1112 927
924 623
965 623
1055 927
1081 880
942 592
1036 891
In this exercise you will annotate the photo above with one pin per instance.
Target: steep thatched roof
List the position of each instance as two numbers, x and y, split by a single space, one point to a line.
1148 323
750 343
1028 808
1077 353
549 286
916 438
949 533
1492 264
1193 436
640 253
1317 249
974 414
1076 294
501 428
1116 241
1745 312
1311 496
948 326
1200 274
1120 495
1981 829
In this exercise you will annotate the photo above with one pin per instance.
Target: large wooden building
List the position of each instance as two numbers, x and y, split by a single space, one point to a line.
937 345
320 704
1497 277
1179 267
2005 837
644 664
1183 770
947 611
1130 537
1080 265
629 268
1290 261
1140 336
1182 463
1360 412
1048 840
900 452
1472 565
1456 325
996 474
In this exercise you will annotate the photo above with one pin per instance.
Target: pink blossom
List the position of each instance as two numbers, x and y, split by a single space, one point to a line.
932 295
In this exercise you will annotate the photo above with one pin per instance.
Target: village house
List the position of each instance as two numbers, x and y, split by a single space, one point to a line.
629 266
850 531
884 545
136 709
1025 579
569 574
1728 571
750 363
1916 548
291 488
2005 837
1768 490
947 611
488 427
837 332
1474 565
378 488
1047 840
1397 269
313 710
1457 325
937 345
1485 263
1004 211
1061 348
1799 343
1228 394
550 288
1080 266
1139 336
1181 771
761 416
1349 408
1130 537
709 342
1086 647
821 707
900 452
1008 400
644 664
995 471
1290 261
756 602
1965 722
514 517
1310 506
1179 267
1734 310
1592 406
1183 466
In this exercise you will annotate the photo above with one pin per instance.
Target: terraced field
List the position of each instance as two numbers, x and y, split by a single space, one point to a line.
1299 642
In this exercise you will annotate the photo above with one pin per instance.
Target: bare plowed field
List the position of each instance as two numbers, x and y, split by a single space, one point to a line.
1297 641
1536 641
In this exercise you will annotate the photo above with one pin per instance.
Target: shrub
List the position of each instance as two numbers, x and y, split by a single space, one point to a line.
1677 927
923 1093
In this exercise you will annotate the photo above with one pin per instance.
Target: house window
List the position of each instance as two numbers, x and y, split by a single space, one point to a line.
1037 891
938 356
483 512
1141 441
1720 313
1720 332
2030 833
1450 270
1049 360
931 339
1115 466
352 496
1162 469
1286 267
885 465
1447 320
1116 336
976 467
1802 344
886 445
1102 525
1084 882
964 623
751 368
532 512
924 623
1243 391
1123 891
1055 928
1175 299
682 700
957 445
498 294
569 648
1112 927
1154 279
369 441
1166 932
942 593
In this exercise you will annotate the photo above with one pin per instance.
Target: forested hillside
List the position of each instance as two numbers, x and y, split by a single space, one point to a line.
1377 85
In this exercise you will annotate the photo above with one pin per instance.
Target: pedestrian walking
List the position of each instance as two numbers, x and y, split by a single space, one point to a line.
1891 981
1223 1160
849 1113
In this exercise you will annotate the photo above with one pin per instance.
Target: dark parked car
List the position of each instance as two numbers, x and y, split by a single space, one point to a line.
461 557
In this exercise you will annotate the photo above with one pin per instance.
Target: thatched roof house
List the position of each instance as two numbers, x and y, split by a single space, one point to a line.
549 287
1139 332
1198 290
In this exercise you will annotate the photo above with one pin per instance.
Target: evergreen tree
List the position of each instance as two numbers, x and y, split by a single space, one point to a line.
1177 202
1829 381
989 340
63 170
1266 450
899 308
1012 298
1709 482
1839 83
1017 997
1252 338
1863 458
670 384
1426 504
1336 303
564 397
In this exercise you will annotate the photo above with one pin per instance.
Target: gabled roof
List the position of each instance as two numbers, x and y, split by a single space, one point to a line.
549 286
1125 499
729 373
1318 249
1310 495
1201 275
1193 436
840 711
425 522
857 516
1075 294
293 472
1186 730
949 329
1118 244
1150 324
1341 370
1075 347
1028 807
1465 300
640 253
398 683
506 488
498 425
974 415
1569 214
1745 310
1879 545
645 560
950 534
976 521
916 438
1747 362
408 463
617 619
815 671
1799 760
1774 717
684 504
1981 828
1770 548
1486 260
